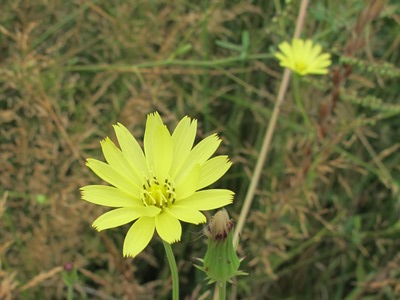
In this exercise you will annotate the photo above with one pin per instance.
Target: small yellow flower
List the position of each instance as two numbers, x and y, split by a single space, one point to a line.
303 57
158 187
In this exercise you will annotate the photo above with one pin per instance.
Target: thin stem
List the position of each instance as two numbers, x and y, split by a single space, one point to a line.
268 135
262 157
174 270
297 99
70 292
166 63
222 290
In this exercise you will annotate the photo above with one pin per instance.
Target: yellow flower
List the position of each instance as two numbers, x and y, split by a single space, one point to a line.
158 187
303 57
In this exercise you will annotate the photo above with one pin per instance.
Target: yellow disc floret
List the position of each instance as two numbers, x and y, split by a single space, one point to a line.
157 194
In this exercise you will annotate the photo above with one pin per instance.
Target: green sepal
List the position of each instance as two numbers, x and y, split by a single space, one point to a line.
221 262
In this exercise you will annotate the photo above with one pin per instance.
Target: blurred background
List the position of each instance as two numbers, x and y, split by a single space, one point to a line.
324 223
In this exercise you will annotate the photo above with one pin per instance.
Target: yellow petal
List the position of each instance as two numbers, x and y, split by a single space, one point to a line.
297 45
187 214
310 50
199 154
286 49
212 170
108 196
168 227
131 150
124 215
283 60
186 186
115 218
157 146
115 159
208 199
138 236
203 150
162 152
317 71
322 61
182 139
112 176
152 122
314 52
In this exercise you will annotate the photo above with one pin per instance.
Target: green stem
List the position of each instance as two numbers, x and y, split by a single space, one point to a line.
174 270
299 103
222 290
70 292
166 63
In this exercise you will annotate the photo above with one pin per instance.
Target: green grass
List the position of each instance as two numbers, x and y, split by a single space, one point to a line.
324 223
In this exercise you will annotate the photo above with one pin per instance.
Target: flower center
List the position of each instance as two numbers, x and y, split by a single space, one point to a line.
301 66
158 194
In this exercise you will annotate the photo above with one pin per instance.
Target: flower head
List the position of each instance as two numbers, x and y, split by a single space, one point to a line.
158 187
303 57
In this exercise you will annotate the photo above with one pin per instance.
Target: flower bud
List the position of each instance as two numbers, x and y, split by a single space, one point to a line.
220 262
